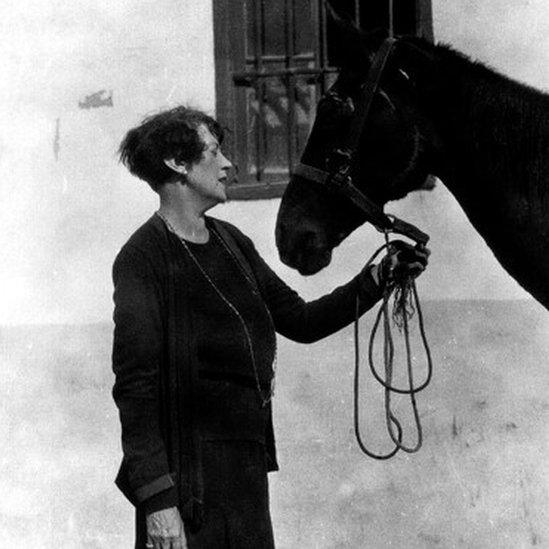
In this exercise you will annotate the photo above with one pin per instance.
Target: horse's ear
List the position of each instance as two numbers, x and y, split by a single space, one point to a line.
349 45
429 184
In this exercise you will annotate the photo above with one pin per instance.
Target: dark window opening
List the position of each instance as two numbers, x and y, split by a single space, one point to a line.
272 65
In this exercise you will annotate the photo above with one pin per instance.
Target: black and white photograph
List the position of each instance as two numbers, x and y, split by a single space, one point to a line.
275 274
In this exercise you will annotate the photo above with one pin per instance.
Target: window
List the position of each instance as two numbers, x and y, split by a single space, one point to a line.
272 65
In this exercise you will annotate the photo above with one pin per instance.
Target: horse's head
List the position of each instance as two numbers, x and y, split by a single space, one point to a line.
393 157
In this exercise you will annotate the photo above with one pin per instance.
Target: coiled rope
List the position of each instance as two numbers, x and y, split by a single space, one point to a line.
406 303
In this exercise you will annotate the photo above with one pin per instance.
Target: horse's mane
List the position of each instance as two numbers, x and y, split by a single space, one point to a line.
499 113
458 60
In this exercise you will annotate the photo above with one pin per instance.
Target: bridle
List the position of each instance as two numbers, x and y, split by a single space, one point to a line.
338 179
340 160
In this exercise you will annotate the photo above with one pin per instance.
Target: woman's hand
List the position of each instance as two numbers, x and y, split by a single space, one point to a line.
165 530
402 261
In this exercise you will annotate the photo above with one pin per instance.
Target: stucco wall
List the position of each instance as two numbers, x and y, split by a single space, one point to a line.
75 76
480 481
67 205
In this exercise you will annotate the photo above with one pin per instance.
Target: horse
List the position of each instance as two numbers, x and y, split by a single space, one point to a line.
435 113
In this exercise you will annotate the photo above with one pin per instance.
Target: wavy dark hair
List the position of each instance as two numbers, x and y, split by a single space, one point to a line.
167 134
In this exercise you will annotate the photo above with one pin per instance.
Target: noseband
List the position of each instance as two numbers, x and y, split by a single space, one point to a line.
340 160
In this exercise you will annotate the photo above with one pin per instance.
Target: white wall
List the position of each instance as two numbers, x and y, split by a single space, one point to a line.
511 36
66 203
67 206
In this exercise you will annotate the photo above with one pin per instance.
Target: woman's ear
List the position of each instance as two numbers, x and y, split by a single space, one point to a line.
175 166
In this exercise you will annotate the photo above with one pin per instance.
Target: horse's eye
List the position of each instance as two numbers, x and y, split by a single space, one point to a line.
403 78
349 105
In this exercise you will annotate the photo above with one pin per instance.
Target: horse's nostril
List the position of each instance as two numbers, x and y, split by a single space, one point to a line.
301 245
310 241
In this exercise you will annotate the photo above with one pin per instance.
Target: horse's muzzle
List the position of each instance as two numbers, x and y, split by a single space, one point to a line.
303 250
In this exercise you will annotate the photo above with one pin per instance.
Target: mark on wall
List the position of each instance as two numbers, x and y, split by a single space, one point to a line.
455 429
56 138
102 98
432 539
535 539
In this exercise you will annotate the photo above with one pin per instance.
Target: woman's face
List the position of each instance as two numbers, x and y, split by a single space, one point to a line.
208 176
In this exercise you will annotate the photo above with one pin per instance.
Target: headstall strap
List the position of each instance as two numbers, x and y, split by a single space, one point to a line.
312 174
339 163
369 88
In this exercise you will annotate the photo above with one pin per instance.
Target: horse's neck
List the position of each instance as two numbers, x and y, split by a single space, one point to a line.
496 140
495 136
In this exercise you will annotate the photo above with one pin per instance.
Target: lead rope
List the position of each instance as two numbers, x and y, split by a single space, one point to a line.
406 303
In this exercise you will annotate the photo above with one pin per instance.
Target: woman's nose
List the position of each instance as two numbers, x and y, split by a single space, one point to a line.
226 164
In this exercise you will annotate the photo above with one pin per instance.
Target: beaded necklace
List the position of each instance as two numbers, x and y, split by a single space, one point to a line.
264 400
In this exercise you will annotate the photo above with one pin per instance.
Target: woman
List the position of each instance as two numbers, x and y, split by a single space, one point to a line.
196 311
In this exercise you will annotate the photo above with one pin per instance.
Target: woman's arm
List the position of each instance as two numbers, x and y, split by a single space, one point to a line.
307 322
303 321
137 349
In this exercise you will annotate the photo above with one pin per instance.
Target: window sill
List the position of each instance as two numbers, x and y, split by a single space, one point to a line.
256 191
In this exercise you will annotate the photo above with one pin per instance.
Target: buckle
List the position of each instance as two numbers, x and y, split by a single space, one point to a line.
407 229
338 164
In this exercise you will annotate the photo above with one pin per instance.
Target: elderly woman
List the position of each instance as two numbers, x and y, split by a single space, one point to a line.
196 311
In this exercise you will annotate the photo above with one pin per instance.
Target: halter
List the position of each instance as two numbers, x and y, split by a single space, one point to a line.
339 179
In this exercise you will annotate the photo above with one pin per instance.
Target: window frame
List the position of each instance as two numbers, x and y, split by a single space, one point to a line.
229 25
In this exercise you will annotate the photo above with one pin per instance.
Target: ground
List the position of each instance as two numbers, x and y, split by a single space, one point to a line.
481 479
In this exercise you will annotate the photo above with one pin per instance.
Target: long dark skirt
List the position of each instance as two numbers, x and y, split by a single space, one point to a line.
236 498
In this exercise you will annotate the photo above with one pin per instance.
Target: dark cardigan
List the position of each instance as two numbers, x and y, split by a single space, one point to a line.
153 339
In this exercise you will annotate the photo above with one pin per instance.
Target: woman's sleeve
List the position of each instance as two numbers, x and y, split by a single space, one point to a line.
311 321
137 350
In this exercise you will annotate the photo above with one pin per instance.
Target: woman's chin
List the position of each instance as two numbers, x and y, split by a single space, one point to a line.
216 196
222 192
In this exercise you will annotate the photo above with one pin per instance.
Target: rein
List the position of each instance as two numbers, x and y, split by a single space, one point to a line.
405 294
406 303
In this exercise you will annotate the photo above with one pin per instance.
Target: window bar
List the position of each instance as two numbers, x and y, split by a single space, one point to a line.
318 49
357 13
322 43
391 23
246 78
259 89
289 30
273 58
315 17
424 19
242 150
